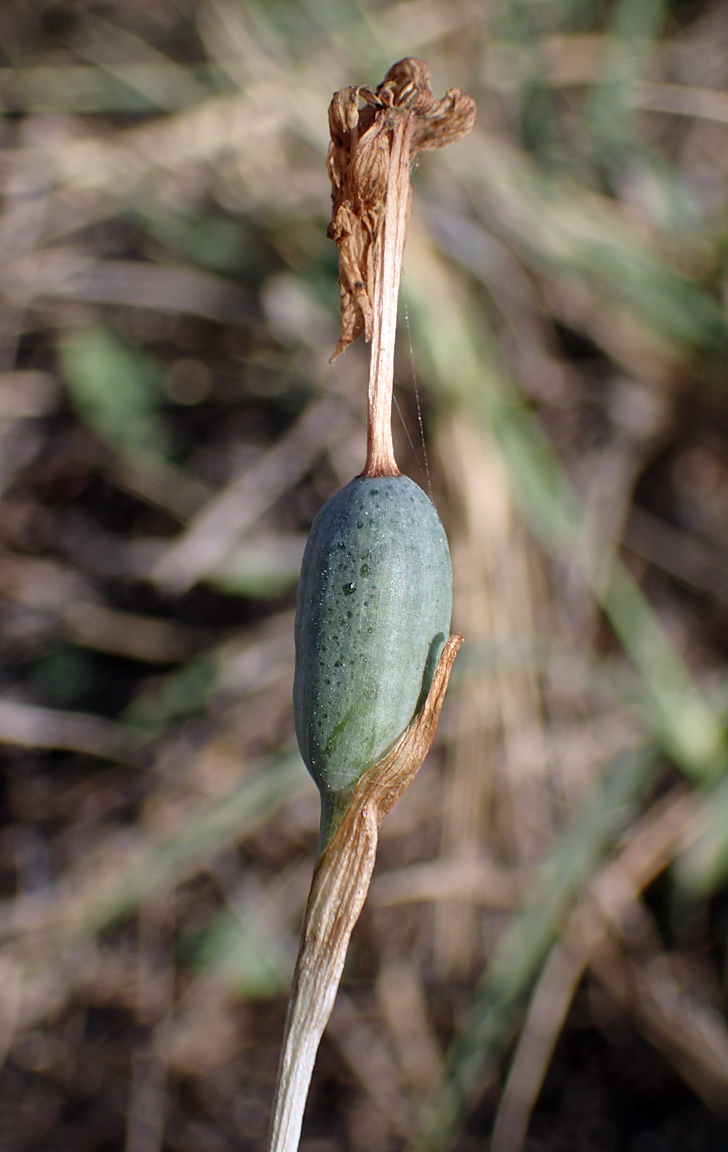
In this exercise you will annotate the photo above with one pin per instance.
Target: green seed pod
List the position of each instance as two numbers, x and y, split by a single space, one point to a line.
373 614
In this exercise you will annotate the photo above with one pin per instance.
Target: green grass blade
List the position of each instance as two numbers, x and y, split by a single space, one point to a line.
635 26
116 390
561 229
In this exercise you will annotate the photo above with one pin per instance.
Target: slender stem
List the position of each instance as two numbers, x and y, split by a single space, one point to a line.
387 268
338 891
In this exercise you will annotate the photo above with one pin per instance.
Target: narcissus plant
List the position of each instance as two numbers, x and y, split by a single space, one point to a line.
373 644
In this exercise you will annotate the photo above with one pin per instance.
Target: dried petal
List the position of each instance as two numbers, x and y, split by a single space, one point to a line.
358 165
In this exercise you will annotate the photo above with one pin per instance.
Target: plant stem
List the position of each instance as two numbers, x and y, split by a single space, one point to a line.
387 269
338 891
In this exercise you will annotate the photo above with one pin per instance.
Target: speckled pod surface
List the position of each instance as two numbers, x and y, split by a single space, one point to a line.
373 613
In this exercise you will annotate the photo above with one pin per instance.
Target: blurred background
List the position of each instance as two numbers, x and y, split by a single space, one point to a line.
541 963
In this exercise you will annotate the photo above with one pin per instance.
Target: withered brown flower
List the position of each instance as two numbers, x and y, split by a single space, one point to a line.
359 165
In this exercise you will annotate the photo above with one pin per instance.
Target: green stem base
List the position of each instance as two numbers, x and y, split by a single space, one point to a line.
333 810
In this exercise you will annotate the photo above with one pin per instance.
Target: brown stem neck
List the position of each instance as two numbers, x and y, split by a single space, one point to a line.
387 268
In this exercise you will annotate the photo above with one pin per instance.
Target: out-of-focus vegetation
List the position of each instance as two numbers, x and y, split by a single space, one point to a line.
542 961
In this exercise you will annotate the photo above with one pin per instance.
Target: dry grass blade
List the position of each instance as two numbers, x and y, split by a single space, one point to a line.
68 274
689 559
686 1027
26 394
682 100
478 881
369 1057
28 726
338 890
652 845
403 1000
218 527
525 946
